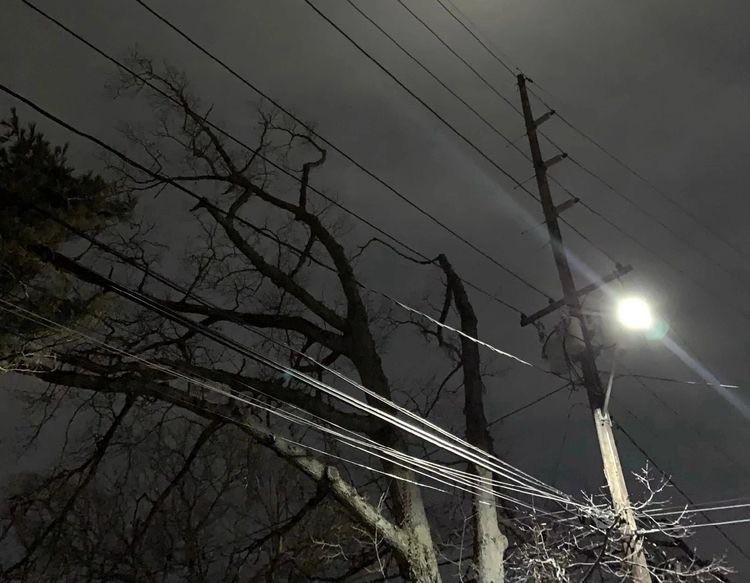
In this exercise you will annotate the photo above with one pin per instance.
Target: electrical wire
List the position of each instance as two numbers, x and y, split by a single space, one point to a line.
510 142
496 131
203 201
684 494
477 74
710 503
560 149
531 403
675 235
431 470
702 509
236 140
471 108
694 526
414 95
447 124
492 53
241 143
135 164
206 384
433 434
343 153
188 293
696 429
665 195
696 281
678 381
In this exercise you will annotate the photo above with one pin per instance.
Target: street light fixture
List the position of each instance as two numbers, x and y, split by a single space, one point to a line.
635 313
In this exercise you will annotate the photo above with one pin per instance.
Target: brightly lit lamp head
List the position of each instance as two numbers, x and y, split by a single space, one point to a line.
635 314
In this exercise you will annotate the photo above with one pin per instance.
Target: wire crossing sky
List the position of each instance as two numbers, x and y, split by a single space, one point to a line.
618 71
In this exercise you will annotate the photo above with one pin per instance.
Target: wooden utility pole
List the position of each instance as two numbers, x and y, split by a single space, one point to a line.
578 331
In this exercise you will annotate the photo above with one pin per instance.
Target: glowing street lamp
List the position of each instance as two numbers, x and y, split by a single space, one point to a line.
635 313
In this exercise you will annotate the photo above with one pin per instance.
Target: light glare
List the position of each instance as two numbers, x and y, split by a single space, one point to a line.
635 313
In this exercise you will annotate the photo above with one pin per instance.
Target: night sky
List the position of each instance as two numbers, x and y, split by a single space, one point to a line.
663 85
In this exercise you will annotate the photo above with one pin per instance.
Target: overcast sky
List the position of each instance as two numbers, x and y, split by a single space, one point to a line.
663 85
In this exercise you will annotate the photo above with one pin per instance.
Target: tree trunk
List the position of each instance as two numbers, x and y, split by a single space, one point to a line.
407 500
489 541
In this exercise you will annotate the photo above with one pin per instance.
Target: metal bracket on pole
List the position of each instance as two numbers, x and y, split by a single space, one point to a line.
608 393
619 272
561 208
541 119
554 160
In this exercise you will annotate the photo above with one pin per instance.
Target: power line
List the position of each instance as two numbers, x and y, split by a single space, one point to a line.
204 202
347 156
595 175
710 503
437 79
130 71
511 143
576 162
698 282
531 403
684 494
353 42
221 338
682 528
469 483
195 196
583 203
674 202
689 510
670 198
440 117
513 274
492 88
677 381
149 272
447 476
471 108
380 65
140 299
424 429
668 407
477 38
508 102
613 224
687 242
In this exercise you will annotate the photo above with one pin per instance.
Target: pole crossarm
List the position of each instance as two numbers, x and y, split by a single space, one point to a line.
621 271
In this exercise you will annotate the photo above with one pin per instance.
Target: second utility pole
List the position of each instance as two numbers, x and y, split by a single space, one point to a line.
579 331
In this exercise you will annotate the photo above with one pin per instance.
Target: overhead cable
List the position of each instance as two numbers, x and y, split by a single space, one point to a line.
586 136
432 470
343 153
243 144
424 429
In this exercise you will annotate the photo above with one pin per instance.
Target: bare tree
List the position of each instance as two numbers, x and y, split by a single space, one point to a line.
162 478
